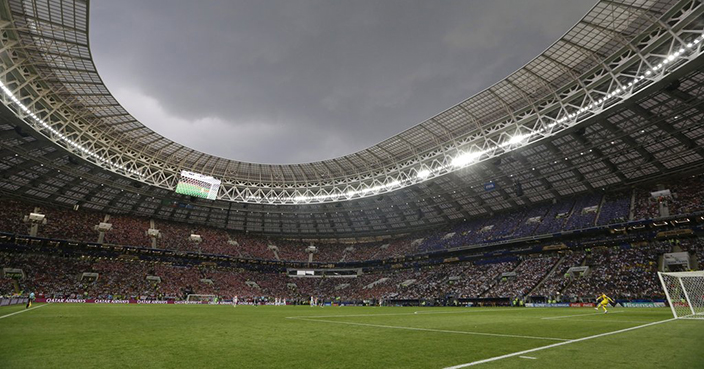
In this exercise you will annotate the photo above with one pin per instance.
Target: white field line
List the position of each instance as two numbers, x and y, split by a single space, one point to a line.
528 357
22 311
398 314
519 353
434 330
570 316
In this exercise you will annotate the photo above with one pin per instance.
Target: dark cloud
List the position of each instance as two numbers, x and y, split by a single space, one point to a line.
295 81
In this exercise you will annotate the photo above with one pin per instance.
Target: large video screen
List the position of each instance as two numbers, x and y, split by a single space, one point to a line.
198 185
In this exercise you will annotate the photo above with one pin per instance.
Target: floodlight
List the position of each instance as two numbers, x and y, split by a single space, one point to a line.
466 158
423 174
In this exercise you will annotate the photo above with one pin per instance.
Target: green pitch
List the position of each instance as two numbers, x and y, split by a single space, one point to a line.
182 336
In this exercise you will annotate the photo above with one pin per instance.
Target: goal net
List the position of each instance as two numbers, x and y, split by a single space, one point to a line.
685 293
201 298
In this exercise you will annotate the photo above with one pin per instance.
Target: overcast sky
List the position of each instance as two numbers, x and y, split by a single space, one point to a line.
293 81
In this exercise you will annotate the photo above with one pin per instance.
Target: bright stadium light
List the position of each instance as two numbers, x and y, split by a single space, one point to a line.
517 139
423 174
392 184
59 134
466 158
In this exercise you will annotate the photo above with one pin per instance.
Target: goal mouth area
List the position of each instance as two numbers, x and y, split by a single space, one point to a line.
685 293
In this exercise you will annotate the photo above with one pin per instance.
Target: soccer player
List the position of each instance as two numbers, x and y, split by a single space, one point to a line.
234 301
604 302
29 300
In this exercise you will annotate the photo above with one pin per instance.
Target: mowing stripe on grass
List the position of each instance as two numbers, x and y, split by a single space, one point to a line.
570 316
435 330
519 353
398 314
610 321
460 312
22 311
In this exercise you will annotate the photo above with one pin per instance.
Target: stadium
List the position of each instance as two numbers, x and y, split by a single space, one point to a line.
486 235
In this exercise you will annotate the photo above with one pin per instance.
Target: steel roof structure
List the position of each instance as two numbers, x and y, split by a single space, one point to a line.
617 100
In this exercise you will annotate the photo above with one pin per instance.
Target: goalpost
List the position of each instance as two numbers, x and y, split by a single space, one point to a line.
685 293
198 298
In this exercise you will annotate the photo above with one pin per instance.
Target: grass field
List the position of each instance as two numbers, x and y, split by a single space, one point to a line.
139 336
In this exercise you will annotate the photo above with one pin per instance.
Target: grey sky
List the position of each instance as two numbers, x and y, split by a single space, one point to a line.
294 81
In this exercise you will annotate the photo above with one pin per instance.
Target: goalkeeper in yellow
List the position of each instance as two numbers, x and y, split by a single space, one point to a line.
603 303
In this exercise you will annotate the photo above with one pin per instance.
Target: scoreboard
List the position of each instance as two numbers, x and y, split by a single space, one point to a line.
198 185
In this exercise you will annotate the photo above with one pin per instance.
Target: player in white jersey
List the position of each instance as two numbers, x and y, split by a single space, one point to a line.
234 301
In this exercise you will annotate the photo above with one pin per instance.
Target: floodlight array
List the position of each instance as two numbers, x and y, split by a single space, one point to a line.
465 159
75 145
446 158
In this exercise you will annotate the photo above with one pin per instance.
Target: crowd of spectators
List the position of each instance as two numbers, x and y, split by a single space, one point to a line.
293 251
685 197
621 272
392 249
462 280
695 248
584 212
332 252
495 228
567 214
528 274
129 231
252 247
70 225
556 217
215 241
532 220
615 208
645 206
12 214
175 236
627 271
553 285
375 250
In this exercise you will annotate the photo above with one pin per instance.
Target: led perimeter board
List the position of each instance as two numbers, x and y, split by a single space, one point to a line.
198 185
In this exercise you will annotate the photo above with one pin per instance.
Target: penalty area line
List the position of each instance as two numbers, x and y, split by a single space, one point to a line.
435 330
520 353
22 311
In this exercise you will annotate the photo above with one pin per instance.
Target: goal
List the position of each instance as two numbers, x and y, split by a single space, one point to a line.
201 298
685 293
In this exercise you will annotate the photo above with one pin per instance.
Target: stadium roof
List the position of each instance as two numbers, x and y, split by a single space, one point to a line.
615 101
